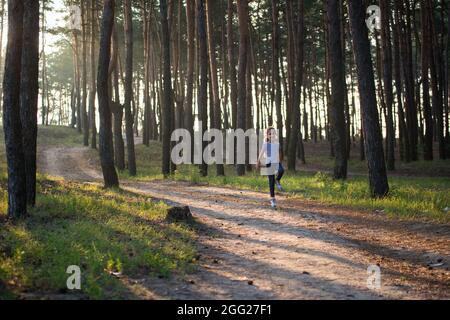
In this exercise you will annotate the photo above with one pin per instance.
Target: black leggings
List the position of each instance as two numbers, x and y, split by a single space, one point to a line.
272 180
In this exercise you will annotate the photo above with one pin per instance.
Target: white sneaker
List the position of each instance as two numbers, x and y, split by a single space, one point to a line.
280 188
273 203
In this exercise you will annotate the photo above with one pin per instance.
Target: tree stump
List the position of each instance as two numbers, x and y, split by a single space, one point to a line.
179 214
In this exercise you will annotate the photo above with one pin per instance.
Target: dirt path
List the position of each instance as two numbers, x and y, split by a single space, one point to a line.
304 250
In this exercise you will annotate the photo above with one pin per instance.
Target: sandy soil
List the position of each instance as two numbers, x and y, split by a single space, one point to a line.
303 250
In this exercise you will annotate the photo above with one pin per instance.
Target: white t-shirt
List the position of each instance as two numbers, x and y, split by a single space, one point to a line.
271 153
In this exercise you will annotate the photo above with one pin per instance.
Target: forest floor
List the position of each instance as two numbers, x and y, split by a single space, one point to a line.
303 250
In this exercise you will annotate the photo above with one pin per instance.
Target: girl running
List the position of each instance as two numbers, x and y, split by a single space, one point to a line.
272 154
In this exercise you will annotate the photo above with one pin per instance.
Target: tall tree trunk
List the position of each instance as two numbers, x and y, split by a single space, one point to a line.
242 6
232 63
372 133
387 81
77 82
12 126
92 89
291 73
29 91
167 106
2 18
338 90
428 143
203 73
129 88
214 79
406 56
224 76
146 40
276 87
115 106
403 136
136 104
105 135
44 66
436 81
295 129
447 77
248 107
84 115
188 112
73 101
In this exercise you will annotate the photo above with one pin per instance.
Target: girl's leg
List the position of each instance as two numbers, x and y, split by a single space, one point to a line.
272 186
280 172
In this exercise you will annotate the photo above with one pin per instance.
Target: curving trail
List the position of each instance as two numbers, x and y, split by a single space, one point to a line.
303 250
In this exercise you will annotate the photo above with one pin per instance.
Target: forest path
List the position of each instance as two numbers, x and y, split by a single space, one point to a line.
303 250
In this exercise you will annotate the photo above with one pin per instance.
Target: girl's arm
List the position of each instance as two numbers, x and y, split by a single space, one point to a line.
261 154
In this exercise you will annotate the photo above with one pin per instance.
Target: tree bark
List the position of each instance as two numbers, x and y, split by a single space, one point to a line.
12 126
338 90
407 63
43 74
387 81
296 98
29 91
115 106
373 140
428 143
77 76
92 89
188 112
129 88
2 18
276 88
242 6
146 119
403 136
203 85
84 115
232 63
436 81
105 135
167 106
214 79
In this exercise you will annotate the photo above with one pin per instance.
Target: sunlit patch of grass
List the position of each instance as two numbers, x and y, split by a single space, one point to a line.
58 136
102 231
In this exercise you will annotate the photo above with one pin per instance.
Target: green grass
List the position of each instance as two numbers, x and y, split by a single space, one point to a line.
56 136
418 198
81 224
100 231
318 158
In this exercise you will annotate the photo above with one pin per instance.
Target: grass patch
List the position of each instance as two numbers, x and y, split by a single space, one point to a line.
56 136
100 231
318 159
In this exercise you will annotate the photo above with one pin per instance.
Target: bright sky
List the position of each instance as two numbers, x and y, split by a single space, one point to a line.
55 18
